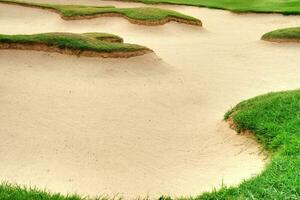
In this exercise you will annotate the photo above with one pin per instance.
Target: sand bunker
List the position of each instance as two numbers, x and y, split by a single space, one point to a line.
144 125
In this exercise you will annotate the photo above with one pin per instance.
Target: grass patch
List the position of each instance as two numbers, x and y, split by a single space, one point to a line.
83 42
288 34
14 192
287 7
79 43
106 37
141 15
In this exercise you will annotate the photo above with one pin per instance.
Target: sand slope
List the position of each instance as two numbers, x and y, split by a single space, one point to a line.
142 125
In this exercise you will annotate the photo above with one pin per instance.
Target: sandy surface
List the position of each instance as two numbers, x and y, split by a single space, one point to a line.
142 125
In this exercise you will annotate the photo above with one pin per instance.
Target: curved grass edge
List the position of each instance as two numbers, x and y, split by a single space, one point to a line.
273 120
140 16
232 5
86 44
283 35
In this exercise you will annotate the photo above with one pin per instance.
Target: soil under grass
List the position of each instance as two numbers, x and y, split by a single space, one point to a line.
86 44
283 35
287 7
142 15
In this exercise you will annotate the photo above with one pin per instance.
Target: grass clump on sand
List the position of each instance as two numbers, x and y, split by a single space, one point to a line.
287 7
282 35
104 44
145 16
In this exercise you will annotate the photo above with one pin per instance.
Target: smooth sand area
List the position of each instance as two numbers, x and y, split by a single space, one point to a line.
142 125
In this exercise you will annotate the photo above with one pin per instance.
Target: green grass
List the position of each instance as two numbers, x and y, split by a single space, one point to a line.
98 42
141 14
104 37
283 34
260 6
14 192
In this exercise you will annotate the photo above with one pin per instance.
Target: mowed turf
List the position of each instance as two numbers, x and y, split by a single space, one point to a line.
98 42
141 14
286 34
260 6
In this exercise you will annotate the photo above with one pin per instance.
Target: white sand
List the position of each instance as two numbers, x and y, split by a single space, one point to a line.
137 126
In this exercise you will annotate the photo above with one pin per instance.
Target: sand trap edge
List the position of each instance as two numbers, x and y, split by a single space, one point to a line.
281 40
68 51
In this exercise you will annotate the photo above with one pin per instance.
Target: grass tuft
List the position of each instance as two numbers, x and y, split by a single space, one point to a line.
287 34
15 192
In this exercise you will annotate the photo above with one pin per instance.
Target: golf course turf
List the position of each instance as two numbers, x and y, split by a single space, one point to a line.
141 16
86 44
283 35
287 7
